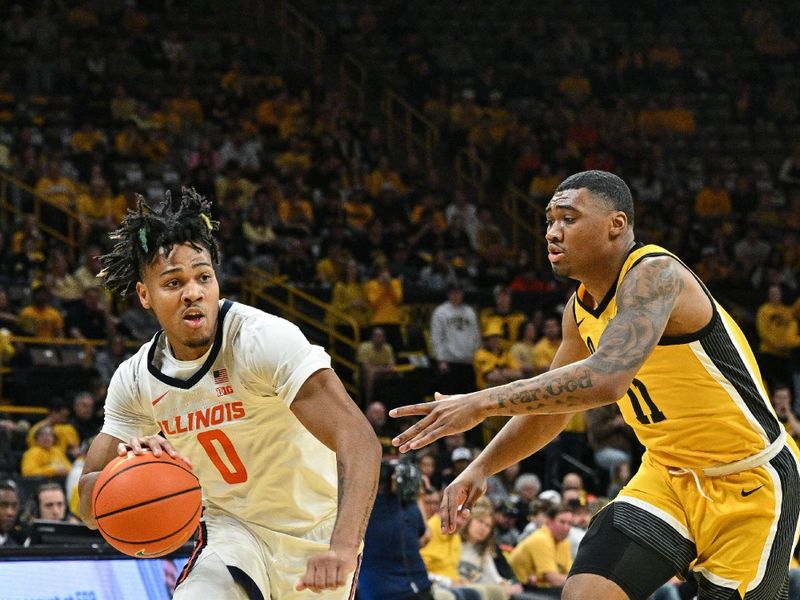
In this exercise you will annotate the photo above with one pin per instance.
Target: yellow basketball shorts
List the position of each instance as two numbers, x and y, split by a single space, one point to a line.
740 537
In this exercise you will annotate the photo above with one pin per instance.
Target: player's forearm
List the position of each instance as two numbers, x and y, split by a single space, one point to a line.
85 487
579 386
518 439
358 465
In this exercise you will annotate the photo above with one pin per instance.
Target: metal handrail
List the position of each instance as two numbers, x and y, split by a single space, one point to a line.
420 133
472 172
300 36
353 80
255 286
7 207
514 202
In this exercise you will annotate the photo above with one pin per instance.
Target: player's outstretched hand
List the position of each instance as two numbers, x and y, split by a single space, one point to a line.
327 571
459 497
446 415
151 443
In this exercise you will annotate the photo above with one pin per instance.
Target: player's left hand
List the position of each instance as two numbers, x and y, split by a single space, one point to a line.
446 415
327 571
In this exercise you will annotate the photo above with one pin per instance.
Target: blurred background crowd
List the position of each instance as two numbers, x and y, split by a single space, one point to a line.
410 252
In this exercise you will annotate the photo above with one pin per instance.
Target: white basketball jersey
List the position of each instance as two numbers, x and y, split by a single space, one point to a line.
228 412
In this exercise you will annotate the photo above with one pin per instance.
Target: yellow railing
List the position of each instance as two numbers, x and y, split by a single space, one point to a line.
353 81
526 218
265 290
402 119
22 410
301 39
472 173
9 210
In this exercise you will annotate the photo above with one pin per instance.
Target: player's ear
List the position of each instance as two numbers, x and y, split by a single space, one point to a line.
618 224
144 295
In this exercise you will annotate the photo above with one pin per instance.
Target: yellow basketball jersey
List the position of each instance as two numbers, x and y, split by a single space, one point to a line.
698 400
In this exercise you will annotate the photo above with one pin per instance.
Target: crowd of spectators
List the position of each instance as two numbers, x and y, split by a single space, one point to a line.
698 110
304 187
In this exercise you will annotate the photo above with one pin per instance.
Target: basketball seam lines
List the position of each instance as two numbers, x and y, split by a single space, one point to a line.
133 466
132 506
161 538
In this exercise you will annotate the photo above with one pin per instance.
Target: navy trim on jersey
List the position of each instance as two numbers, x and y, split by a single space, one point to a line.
186 384
199 545
776 579
596 312
654 533
723 352
674 340
246 582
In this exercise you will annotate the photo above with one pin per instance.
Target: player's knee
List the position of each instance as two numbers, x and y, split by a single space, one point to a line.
572 589
586 586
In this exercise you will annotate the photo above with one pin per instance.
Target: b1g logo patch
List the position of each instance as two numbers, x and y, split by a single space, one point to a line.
224 390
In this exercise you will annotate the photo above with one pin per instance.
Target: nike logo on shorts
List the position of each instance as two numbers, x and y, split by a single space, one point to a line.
746 493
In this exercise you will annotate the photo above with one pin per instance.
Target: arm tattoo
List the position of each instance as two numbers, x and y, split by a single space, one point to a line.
645 300
555 391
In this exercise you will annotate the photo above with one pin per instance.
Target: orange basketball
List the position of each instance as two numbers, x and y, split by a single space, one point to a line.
147 506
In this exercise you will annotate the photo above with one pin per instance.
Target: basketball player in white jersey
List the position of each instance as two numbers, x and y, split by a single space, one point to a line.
287 463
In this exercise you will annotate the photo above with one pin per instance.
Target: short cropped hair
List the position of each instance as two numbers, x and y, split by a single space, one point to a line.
607 187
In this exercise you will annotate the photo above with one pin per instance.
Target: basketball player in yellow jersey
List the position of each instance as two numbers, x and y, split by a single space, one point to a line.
718 492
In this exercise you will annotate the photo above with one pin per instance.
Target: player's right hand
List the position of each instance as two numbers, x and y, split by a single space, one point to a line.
459 497
151 443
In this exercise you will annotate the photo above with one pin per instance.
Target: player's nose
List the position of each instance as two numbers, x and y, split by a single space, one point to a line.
553 234
192 292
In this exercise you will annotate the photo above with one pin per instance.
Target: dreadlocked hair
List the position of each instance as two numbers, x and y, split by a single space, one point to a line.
147 231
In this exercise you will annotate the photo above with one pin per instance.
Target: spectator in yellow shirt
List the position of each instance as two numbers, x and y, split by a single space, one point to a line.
382 176
331 268
60 281
522 351
544 183
187 107
295 161
376 359
55 188
233 187
713 201
385 296
777 329
44 459
40 318
545 349
509 320
349 298
295 212
544 558
665 55
66 436
358 212
96 209
493 365
86 138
